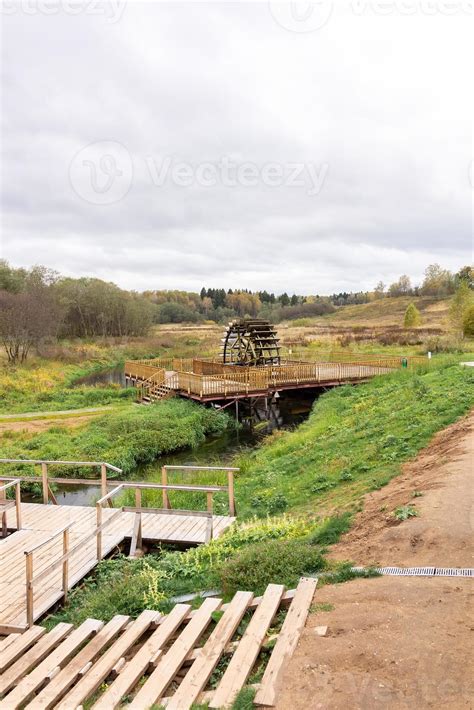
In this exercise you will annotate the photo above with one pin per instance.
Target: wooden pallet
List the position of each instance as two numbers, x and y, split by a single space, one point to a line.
154 659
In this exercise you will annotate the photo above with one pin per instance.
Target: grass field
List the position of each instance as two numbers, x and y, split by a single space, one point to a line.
390 312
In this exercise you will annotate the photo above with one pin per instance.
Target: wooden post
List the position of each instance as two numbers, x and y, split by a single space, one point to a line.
99 532
138 497
29 589
18 505
230 485
164 481
209 502
44 476
103 479
65 562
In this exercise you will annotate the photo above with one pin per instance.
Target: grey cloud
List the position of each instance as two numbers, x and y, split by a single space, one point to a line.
371 97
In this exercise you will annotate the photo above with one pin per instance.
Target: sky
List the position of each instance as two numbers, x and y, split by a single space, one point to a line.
299 147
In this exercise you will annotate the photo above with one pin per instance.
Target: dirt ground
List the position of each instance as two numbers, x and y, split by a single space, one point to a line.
34 426
398 642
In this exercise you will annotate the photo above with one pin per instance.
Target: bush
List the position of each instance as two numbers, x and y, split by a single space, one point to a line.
274 561
412 316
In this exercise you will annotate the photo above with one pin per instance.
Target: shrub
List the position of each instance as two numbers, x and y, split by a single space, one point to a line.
412 316
275 561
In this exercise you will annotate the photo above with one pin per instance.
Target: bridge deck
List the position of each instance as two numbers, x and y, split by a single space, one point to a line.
212 381
40 521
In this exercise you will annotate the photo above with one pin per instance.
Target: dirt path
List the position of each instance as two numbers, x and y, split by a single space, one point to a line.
34 422
397 642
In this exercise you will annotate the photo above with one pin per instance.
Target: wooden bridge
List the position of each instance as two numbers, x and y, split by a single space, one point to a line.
211 380
52 547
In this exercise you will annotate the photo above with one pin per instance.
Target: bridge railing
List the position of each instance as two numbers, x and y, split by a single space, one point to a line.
46 479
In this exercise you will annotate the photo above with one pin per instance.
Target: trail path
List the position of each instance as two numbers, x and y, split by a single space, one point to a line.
398 642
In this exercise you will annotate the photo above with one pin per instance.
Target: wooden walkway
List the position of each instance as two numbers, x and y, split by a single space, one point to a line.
210 380
40 522
154 659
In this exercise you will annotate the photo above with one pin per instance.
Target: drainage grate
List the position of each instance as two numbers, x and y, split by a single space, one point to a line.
423 571
408 571
454 572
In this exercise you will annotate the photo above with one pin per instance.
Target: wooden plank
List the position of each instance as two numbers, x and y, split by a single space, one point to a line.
286 642
61 683
19 646
138 665
167 668
248 649
7 641
34 680
33 656
100 670
200 672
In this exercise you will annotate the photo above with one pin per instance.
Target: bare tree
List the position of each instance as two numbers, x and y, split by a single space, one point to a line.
25 319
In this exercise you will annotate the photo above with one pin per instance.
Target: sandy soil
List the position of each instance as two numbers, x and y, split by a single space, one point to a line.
397 642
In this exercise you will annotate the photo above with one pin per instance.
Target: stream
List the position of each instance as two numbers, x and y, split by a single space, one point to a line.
216 450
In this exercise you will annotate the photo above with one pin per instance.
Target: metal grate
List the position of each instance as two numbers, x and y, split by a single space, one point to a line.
454 572
423 571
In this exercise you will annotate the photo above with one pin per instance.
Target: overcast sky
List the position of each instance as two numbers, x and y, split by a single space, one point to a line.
256 145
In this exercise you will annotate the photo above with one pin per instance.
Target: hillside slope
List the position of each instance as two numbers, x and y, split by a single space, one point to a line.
390 312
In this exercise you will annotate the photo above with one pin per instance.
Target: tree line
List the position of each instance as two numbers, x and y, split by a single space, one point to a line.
38 303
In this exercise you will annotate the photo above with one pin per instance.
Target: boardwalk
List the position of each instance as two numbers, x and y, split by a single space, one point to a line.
210 380
52 547
40 522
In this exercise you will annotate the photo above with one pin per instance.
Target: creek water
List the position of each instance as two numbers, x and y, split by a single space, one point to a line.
288 411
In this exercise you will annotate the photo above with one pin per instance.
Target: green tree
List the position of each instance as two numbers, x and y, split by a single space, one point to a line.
412 316
438 282
468 322
462 300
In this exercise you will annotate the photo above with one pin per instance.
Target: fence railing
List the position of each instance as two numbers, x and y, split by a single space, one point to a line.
46 479
5 503
31 580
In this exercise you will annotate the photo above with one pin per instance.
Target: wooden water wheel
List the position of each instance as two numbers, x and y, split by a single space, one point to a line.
250 342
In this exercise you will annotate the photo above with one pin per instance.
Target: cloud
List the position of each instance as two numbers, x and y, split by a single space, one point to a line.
382 101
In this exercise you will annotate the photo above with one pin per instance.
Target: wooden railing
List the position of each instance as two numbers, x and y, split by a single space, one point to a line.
31 580
229 488
4 502
46 479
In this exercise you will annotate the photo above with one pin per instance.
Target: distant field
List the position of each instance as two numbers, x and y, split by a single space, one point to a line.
390 312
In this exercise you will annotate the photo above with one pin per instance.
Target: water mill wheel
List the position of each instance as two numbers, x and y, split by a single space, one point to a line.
250 342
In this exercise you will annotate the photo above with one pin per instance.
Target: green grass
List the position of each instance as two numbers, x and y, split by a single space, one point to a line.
355 440
124 438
